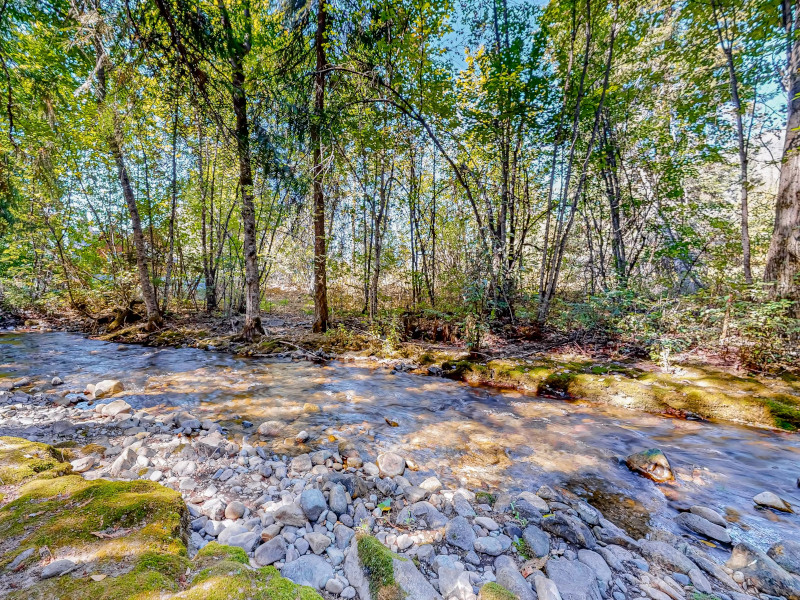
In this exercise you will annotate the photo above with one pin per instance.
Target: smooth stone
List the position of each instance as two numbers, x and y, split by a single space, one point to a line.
546 589
709 514
771 500
704 527
271 429
342 534
312 503
487 523
246 541
538 541
666 556
311 570
574 580
230 531
459 533
58 568
787 555
569 528
270 552
391 464
108 387
596 562
301 463
318 542
338 499
768 576
235 510
507 575
488 545
291 514
454 584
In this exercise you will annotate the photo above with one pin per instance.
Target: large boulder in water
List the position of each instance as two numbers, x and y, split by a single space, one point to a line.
652 464
767 575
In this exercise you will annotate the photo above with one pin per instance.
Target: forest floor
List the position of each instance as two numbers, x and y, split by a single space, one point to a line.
575 365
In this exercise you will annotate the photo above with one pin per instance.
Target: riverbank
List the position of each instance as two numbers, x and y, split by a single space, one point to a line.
319 511
598 372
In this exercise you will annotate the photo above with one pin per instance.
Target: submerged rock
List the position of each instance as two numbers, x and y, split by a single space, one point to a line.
651 463
787 555
108 387
704 527
767 575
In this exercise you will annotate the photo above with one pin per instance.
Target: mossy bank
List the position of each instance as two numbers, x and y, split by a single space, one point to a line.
64 538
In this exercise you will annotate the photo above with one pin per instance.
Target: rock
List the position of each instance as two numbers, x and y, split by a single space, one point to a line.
318 542
230 531
666 555
509 577
334 586
214 509
574 580
767 575
454 584
56 381
412 582
301 463
704 527
114 408
247 541
432 484
535 500
787 555
58 568
488 545
596 562
391 464
235 510
310 570
537 540
271 429
338 499
20 558
709 514
423 510
313 503
342 534
546 589
415 493
125 461
108 387
487 523
459 533
570 528
652 464
290 514
270 552
81 465
770 500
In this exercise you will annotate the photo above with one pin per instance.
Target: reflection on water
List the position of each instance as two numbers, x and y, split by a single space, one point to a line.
478 437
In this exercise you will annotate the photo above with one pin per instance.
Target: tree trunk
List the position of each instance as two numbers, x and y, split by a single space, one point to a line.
171 255
320 252
783 258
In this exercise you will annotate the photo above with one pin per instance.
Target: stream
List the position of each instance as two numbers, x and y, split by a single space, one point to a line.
480 438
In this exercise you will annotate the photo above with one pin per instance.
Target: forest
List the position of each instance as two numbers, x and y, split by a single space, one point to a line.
513 169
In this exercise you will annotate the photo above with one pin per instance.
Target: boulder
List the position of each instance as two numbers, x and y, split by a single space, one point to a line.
125 461
235 510
313 503
57 568
290 514
569 528
767 575
108 387
787 555
666 555
651 463
114 408
597 564
311 570
270 552
538 541
704 527
454 584
771 500
709 514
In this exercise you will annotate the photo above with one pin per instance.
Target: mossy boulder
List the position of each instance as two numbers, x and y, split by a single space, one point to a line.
127 538
494 591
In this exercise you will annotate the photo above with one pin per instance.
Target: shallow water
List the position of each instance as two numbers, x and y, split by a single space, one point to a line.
481 438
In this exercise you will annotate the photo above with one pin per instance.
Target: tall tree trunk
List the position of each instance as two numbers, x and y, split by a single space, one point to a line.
114 140
783 258
320 251
171 255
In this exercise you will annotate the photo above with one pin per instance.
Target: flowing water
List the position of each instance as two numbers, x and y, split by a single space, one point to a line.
481 438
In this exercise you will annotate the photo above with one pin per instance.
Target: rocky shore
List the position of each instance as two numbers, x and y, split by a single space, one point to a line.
349 523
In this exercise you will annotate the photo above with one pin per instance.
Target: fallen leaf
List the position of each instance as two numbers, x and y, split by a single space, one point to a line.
390 423
98 577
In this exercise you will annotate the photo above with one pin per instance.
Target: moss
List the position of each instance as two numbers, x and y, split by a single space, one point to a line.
133 532
93 449
378 564
21 460
556 384
495 591
485 498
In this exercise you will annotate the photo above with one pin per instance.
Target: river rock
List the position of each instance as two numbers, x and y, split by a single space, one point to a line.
509 577
56 381
271 429
247 540
704 527
81 465
214 509
459 533
313 503
569 528
538 541
546 589
666 555
291 514
310 570
114 408
651 463
767 575
391 464
771 500
488 545
58 568
574 580
338 499
787 555
230 531
235 510
342 534
318 542
597 564
108 387
454 584
271 551
709 514
412 582
125 461
301 463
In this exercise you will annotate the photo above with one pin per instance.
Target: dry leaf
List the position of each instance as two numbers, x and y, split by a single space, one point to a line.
98 577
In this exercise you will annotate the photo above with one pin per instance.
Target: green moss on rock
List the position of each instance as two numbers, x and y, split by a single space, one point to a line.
495 591
378 561
21 460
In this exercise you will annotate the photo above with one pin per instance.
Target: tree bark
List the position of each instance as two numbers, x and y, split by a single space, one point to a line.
783 258
320 253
